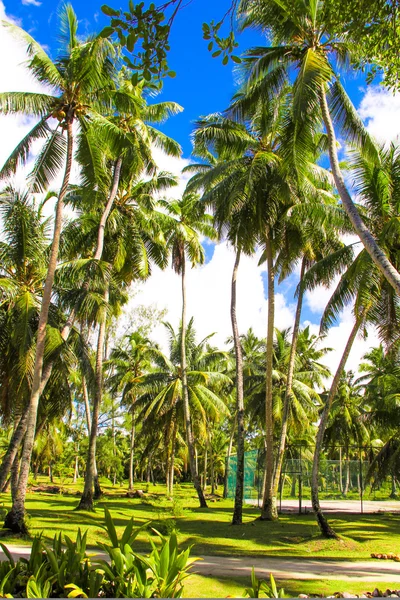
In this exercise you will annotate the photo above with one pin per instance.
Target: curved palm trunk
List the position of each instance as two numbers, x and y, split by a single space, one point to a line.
269 510
86 501
15 519
238 508
289 382
324 526
366 237
185 394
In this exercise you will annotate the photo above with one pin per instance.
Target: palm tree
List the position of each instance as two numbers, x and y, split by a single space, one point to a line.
129 363
377 185
24 252
347 423
133 239
81 74
188 220
309 235
245 188
163 397
380 385
302 39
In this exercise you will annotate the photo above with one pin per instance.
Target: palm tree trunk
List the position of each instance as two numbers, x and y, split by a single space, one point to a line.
15 519
13 447
340 471
324 526
89 427
86 502
132 448
228 456
185 393
172 461
366 237
289 382
238 508
269 510
205 468
212 481
76 467
347 484
14 476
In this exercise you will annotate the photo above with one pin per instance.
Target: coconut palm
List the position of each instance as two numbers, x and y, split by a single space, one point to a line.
375 301
81 79
24 252
163 396
129 362
301 39
133 239
245 188
347 424
188 220
380 385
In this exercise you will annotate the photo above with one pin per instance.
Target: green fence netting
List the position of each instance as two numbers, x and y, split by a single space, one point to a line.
338 479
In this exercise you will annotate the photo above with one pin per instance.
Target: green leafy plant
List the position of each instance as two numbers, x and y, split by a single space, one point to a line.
260 589
65 569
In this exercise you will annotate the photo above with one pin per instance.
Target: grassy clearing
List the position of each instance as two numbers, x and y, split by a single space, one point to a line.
209 531
198 586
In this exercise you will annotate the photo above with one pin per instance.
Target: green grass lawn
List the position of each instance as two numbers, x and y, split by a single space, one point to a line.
198 586
209 530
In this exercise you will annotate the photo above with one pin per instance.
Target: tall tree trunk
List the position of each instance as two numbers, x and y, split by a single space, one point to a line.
76 468
212 474
89 428
340 471
186 407
324 526
13 447
15 519
132 448
172 462
228 456
269 510
238 507
289 383
86 502
14 476
168 458
347 484
366 237
205 467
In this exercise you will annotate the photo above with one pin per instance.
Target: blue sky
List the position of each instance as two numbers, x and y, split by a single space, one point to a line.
202 86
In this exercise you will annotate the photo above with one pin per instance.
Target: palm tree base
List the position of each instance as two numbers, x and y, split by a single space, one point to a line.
98 492
15 521
269 510
86 502
324 526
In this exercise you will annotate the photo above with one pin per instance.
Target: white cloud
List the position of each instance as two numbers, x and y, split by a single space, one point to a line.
208 286
31 3
380 109
208 297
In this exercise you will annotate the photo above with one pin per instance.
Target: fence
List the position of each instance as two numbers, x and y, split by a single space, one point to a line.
339 479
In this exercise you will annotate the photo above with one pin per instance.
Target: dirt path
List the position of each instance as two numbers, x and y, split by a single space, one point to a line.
340 506
285 568
281 568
